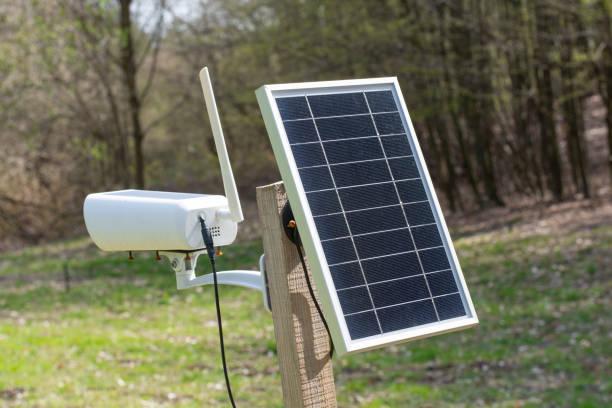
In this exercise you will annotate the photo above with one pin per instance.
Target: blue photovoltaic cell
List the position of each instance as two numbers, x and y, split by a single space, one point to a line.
399 291
426 236
391 267
354 174
378 195
347 275
301 131
338 104
308 155
381 101
363 324
403 168
353 150
417 213
449 306
293 108
347 127
388 123
331 226
366 221
442 283
411 191
376 224
324 202
355 300
316 178
383 243
407 315
396 146
339 251
434 259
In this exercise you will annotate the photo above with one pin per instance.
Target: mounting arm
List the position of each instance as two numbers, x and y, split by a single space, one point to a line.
184 268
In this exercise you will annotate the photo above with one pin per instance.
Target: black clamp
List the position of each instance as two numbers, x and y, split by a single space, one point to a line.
289 224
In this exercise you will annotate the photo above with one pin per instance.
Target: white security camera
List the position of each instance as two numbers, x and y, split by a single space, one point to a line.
170 223
138 220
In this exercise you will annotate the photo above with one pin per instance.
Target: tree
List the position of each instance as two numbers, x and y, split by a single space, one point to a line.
129 69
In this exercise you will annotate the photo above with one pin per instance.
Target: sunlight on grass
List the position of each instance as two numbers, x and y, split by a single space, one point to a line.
124 336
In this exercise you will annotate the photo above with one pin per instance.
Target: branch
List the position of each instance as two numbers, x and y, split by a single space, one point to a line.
155 35
151 74
156 40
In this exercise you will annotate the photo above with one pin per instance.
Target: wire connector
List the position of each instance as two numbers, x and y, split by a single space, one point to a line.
208 239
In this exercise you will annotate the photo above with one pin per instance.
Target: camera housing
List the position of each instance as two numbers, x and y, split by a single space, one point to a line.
140 220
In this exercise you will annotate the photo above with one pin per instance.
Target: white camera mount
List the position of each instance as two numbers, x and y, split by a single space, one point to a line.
184 265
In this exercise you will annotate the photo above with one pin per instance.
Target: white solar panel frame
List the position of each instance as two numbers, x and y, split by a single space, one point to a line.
330 303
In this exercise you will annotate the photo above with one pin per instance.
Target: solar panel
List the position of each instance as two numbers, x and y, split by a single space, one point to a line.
368 216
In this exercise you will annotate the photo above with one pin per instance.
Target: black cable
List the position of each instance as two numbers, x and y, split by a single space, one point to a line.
296 241
210 249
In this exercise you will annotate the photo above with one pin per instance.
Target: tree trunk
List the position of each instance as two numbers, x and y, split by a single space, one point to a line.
479 108
609 115
548 133
487 102
128 66
459 37
572 109
525 164
606 9
443 161
546 111
527 37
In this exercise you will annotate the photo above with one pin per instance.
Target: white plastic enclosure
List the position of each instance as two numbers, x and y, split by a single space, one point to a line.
138 220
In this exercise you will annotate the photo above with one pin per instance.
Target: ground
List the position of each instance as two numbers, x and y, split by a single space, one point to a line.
122 335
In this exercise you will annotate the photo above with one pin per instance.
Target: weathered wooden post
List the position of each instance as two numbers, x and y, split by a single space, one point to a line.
302 341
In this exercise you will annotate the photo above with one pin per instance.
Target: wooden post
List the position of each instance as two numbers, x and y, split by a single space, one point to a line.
301 339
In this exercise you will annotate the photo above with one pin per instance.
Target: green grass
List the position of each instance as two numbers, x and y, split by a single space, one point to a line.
124 336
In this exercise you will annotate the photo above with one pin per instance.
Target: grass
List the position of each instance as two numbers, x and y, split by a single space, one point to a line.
124 336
